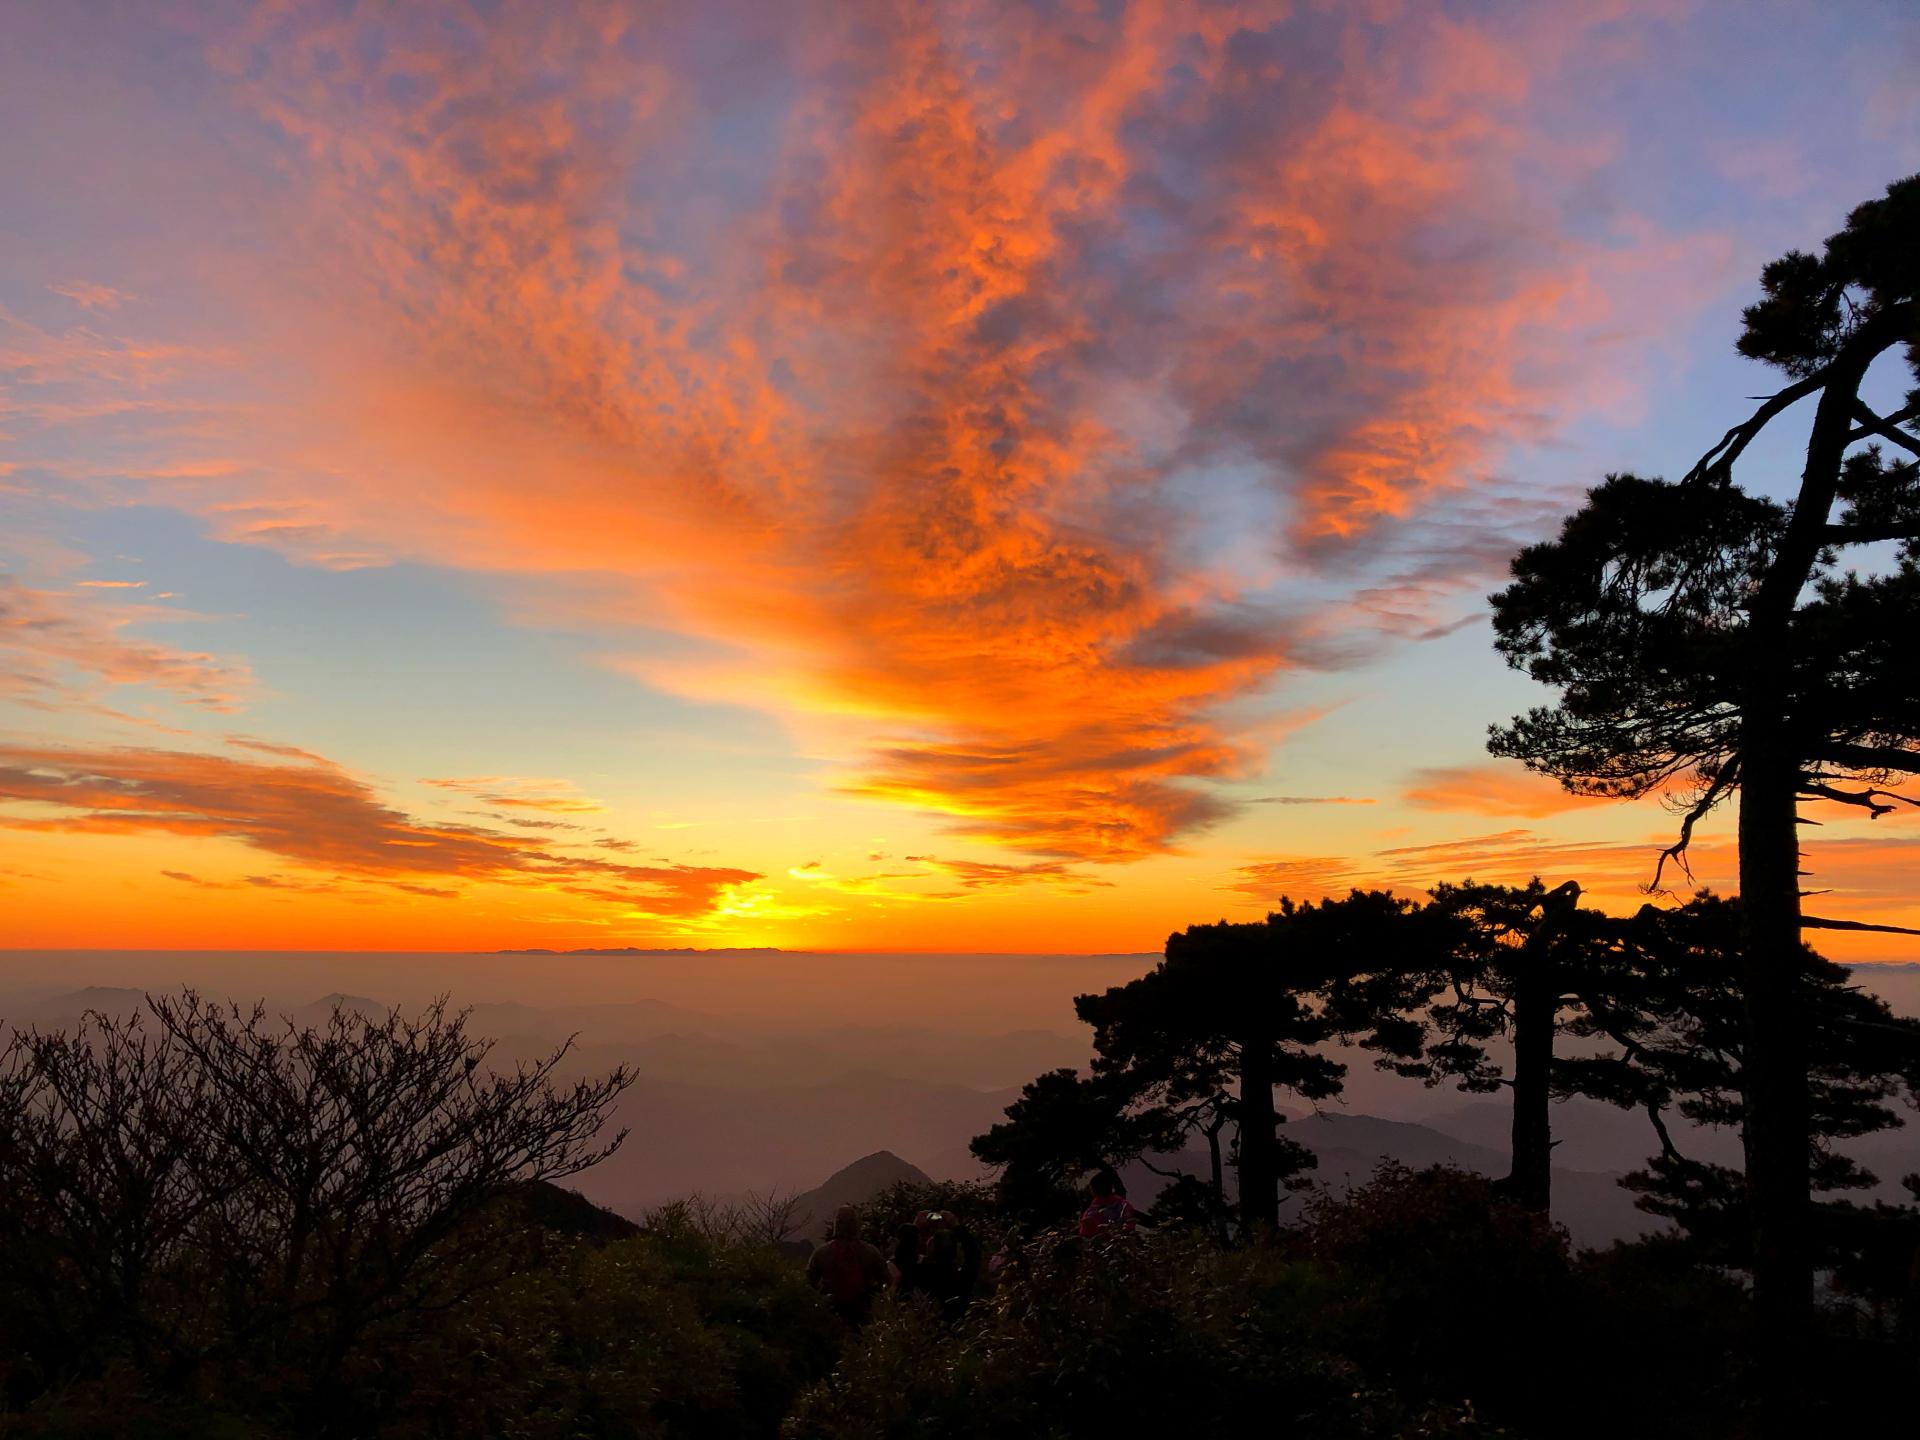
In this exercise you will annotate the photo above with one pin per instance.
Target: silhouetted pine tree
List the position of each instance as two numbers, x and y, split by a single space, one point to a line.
1681 1043
1699 632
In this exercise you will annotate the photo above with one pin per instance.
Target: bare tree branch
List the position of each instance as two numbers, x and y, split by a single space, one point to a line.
1717 463
1885 427
1817 922
1867 534
1867 799
1722 781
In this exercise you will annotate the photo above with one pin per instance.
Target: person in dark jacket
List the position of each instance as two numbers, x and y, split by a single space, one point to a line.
949 1264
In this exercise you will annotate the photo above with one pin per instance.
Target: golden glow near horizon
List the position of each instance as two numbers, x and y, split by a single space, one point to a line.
922 476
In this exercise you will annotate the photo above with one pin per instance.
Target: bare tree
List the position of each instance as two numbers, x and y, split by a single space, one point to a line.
755 1219
769 1219
207 1183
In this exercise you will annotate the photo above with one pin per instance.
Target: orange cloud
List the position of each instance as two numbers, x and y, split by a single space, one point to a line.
898 413
1494 789
523 793
1304 877
1613 872
319 816
987 875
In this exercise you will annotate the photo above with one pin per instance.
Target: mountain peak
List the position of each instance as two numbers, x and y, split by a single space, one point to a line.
855 1184
878 1170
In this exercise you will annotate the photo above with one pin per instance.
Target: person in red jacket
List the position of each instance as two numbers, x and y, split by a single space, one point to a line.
1109 1207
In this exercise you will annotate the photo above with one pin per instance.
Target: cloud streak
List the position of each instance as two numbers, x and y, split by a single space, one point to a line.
1494 790
52 645
319 816
517 792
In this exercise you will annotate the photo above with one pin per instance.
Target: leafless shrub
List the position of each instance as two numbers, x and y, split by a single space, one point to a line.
206 1180
754 1219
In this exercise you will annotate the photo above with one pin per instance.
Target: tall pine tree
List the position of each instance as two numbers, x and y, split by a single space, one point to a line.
1699 633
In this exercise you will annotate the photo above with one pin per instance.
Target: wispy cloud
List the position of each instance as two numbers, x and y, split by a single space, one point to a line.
1312 800
521 792
1493 789
990 875
320 816
57 651
91 295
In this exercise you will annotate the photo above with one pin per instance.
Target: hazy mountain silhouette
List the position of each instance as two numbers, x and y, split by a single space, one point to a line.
729 1140
1349 1147
62 1011
853 1184
1588 1135
318 1013
1592 1137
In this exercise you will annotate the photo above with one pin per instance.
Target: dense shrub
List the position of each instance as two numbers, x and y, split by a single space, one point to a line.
1123 1334
665 1335
662 1335
1430 1282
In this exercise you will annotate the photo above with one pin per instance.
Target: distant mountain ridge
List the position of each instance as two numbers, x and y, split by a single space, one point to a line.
1349 1147
643 950
106 999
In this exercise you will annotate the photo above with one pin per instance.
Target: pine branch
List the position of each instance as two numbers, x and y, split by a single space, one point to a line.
1870 757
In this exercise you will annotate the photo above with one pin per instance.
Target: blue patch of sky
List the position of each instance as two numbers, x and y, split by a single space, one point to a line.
414 668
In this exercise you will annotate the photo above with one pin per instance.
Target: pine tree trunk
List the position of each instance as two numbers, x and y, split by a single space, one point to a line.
1259 1178
1536 1016
1217 1174
1535 1007
1774 1067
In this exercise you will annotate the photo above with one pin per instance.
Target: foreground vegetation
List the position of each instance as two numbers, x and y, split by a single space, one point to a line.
213 1224
1421 1305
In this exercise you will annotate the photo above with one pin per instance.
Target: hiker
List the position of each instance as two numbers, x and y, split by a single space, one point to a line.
847 1270
1109 1206
950 1265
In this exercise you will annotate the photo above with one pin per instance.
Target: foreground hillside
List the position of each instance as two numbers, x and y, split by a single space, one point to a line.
1418 1307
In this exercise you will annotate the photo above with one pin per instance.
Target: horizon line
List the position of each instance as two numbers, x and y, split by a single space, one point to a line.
585 953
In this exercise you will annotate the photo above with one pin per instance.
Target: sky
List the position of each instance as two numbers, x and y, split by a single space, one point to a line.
943 477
